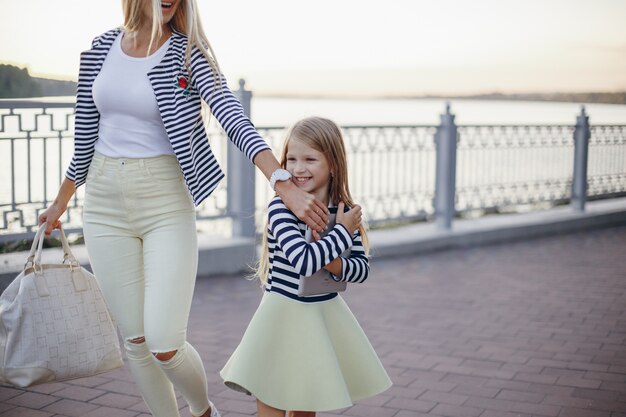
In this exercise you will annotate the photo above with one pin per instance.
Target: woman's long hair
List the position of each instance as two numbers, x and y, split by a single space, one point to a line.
324 136
186 20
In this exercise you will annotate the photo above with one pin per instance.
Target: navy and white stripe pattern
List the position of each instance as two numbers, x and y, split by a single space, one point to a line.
181 114
292 258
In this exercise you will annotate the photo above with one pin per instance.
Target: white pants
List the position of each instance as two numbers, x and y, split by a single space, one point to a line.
140 233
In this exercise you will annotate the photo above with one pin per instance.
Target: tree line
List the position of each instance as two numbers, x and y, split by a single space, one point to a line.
17 83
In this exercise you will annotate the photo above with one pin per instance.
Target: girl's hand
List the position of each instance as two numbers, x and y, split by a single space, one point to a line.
306 207
51 216
350 219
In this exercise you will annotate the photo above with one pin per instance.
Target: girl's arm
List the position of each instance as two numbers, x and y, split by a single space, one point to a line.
355 268
240 130
305 258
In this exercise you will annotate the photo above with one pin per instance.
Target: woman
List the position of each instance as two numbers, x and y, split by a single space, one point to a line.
142 150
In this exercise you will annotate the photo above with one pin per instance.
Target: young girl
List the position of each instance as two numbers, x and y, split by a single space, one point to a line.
308 354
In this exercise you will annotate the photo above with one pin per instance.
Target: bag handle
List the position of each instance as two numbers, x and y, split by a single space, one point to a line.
36 249
34 261
31 255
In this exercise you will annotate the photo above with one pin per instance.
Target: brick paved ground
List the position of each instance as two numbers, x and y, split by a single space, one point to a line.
528 328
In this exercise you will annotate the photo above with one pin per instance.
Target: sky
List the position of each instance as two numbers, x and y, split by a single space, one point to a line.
361 47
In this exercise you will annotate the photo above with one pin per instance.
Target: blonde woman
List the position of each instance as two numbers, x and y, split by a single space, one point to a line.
307 354
141 148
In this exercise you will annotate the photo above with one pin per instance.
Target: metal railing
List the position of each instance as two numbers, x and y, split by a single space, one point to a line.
397 173
390 170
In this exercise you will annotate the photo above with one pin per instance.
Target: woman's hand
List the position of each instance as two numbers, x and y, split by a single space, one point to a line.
51 217
350 219
52 214
306 207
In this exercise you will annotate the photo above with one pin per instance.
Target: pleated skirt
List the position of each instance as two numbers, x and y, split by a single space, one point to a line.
305 357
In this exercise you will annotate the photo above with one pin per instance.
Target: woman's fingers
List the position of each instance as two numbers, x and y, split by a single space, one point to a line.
321 210
50 226
306 207
46 217
316 214
314 219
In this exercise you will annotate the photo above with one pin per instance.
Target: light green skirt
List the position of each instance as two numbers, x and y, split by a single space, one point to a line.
305 357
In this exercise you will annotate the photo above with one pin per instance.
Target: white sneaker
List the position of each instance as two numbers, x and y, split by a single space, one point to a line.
214 412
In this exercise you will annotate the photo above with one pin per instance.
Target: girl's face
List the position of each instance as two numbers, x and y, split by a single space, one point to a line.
168 8
309 168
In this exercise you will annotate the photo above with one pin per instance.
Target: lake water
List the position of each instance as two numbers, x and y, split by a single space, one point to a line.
270 111
281 111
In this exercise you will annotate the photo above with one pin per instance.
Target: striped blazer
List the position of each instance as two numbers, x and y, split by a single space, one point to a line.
179 103
291 257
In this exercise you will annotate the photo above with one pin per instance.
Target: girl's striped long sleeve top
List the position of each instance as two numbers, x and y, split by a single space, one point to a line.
292 258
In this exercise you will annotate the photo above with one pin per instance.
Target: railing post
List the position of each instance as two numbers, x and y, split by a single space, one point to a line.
582 134
445 174
240 179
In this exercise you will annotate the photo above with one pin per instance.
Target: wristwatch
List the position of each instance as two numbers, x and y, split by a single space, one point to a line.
279 175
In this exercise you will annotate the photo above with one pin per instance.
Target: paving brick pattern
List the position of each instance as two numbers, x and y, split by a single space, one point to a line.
532 328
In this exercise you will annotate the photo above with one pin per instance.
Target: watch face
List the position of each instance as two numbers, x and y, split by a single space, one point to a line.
283 175
279 175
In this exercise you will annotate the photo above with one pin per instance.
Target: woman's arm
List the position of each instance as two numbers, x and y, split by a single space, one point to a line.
52 214
229 113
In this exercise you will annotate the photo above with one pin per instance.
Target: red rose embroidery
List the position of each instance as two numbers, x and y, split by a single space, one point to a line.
182 82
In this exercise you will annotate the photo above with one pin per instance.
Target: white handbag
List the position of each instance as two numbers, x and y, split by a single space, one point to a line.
54 323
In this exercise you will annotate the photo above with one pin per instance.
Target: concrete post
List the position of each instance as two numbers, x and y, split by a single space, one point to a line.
582 134
240 179
445 175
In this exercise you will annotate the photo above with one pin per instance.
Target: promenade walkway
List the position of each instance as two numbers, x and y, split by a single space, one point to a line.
530 328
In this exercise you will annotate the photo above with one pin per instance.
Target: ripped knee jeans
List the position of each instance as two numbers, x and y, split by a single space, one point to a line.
140 233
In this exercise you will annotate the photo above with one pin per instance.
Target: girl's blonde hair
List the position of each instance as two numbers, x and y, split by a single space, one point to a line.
186 20
324 136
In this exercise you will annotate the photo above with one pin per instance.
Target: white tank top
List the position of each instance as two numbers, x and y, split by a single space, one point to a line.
130 122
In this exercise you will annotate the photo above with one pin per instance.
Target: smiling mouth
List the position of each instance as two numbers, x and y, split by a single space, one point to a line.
166 5
301 180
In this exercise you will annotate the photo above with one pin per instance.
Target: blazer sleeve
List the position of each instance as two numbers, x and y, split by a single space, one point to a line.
225 106
306 258
86 119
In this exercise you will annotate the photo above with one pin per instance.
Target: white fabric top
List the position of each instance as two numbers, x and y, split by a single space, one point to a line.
130 122
181 112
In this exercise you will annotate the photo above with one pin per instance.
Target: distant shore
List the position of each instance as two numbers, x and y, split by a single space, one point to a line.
16 83
590 97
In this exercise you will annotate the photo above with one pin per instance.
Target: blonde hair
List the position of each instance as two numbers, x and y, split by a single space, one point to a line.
324 136
186 20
